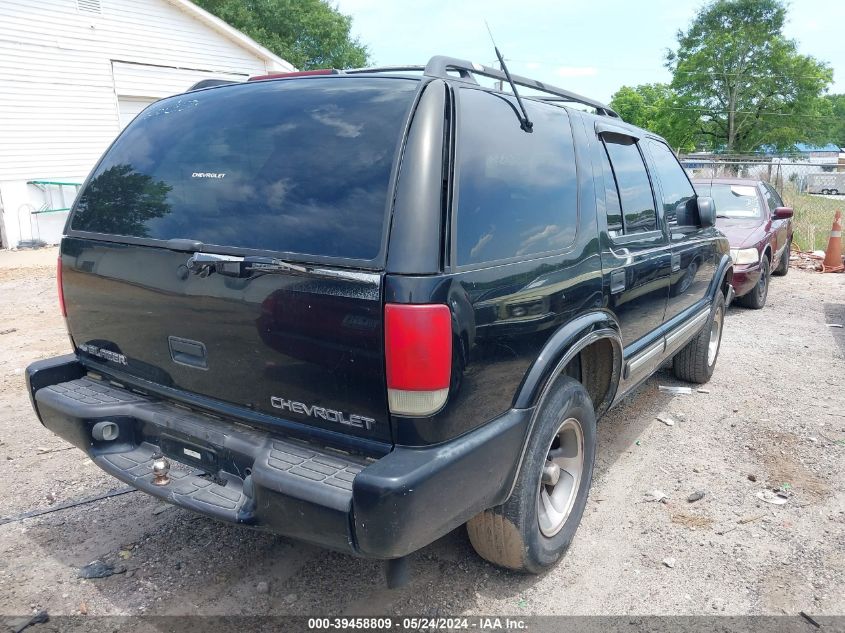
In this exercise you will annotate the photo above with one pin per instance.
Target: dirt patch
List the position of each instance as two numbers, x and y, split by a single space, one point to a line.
786 468
29 258
691 520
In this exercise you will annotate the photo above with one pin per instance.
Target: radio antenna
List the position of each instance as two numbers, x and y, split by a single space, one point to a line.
524 122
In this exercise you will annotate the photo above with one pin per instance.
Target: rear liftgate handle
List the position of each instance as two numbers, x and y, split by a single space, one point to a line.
187 352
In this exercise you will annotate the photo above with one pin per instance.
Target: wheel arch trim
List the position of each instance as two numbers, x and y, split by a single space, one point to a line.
589 332
559 351
724 271
767 251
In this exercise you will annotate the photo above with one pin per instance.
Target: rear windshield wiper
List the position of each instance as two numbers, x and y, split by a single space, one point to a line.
205 264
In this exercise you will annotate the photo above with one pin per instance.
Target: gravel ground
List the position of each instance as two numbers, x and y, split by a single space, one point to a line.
774 417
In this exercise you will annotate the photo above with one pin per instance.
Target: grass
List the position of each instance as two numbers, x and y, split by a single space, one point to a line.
813 218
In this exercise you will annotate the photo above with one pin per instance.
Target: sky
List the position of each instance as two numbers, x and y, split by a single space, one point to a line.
592 47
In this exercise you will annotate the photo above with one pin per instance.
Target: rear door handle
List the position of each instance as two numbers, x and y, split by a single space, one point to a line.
617 281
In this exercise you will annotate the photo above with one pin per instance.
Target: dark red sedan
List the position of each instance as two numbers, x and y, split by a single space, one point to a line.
759 227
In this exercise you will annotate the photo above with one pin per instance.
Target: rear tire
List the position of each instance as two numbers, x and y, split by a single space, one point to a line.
783 264
534 527
697 360
756 299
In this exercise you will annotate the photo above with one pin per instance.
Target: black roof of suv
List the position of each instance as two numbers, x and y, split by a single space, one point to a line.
375 305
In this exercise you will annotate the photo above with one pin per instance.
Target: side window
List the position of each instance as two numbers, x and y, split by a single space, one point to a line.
772 197
614 208
517 193
633 186
676 187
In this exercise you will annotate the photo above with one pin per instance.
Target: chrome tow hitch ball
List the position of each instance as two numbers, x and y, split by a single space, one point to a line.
161 466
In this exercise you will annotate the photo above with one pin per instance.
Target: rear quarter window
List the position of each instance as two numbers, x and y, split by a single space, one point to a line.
294 166
517 192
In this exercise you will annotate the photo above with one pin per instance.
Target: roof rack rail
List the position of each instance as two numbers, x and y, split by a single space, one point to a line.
600 108
440 65
462 73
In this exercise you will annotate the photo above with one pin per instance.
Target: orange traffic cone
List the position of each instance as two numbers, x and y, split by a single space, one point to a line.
833 255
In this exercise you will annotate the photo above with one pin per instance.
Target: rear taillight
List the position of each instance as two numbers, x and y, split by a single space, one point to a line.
418 351
61 289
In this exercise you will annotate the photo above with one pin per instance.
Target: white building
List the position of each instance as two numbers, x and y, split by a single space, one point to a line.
74 72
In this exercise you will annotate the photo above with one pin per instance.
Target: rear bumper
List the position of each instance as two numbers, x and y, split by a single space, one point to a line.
379 508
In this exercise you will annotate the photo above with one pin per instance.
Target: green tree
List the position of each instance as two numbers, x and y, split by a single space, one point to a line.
657 107
748 83
307 33
836 128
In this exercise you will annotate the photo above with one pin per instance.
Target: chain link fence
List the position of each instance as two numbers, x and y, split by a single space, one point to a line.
814 191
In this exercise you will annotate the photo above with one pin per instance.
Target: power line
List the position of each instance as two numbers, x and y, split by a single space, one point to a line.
763 112
683 72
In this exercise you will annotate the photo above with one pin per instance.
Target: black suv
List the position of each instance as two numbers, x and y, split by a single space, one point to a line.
363 308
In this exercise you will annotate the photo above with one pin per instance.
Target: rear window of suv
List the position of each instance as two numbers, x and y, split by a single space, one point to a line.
295 166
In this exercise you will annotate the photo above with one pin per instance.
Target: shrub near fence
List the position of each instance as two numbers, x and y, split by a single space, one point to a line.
813 212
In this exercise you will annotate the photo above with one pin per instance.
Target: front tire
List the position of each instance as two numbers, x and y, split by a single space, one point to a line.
783 264
697 360
756 299
535 526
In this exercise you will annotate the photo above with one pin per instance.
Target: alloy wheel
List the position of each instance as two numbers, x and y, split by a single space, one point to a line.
561 477
715 336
